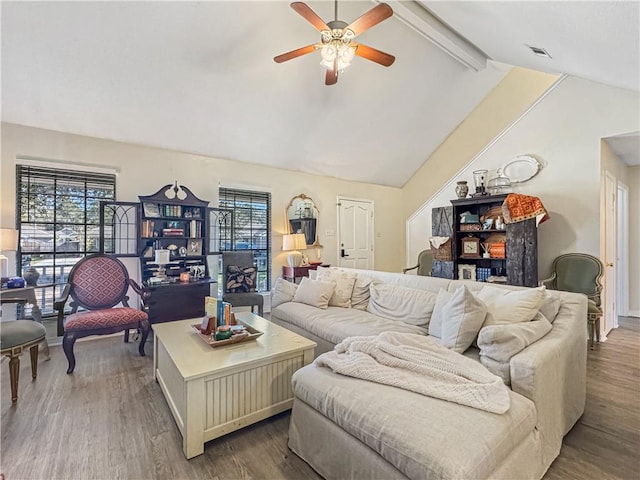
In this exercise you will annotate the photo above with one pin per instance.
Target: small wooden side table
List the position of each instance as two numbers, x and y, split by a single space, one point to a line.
293 273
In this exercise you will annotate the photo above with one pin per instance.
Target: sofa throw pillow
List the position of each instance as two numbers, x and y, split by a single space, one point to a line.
435 325
501 369
501 342
241 279
550 306
511 306
458 317
361 294
282 292
408 305
314 292
344 282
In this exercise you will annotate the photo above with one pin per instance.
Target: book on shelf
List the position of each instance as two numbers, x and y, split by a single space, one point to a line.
172 232
172 211
147 228
194 229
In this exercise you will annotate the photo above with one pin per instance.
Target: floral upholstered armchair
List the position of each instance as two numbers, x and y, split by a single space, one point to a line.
97 284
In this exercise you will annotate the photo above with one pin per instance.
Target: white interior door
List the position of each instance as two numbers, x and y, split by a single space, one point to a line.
610 244
622 260
355 233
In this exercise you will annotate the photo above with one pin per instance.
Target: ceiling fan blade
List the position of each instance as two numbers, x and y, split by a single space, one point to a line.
310 16
294 53
374 55
331 77
369 19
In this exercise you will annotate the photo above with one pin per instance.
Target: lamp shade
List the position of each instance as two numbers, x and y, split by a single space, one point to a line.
162 257
8 239
295 241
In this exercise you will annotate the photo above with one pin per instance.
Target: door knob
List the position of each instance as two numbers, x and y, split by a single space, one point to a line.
342 254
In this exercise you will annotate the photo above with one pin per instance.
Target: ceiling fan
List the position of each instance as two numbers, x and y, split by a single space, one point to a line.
336 46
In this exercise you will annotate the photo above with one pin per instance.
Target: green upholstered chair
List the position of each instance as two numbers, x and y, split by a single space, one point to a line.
425 263
15 337
580 273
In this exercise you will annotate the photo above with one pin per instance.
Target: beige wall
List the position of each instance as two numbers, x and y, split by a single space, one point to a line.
633 177
563 131
509 99
519 89
143 170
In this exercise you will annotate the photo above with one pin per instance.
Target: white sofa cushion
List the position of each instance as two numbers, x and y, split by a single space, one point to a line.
314 292
550 306
407 305
457 318
423 437
513 306
361 292
501 342
344 282
335 323
282 291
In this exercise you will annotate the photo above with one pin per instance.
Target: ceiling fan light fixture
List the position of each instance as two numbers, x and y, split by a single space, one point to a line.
336 46
336 50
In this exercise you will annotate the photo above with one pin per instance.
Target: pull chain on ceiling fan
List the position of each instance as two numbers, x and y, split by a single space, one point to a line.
336 46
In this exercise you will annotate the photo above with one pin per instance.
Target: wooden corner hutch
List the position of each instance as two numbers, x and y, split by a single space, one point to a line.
520 262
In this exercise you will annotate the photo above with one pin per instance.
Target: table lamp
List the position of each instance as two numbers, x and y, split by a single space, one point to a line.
162 258
8 243
293 243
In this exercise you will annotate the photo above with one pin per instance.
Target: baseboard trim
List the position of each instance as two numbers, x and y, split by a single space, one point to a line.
634 313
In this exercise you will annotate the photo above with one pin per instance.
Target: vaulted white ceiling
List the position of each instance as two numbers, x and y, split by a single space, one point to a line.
199 77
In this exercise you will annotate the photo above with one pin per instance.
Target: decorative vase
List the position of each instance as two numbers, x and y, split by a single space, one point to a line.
31 276
462 189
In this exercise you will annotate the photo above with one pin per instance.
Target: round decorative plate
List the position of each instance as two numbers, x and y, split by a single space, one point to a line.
521 169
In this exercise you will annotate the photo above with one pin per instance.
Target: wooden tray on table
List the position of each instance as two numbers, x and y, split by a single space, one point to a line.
250 333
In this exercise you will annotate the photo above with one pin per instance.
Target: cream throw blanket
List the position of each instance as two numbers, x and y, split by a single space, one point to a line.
420 364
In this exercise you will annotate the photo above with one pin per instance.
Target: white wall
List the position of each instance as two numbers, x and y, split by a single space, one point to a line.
143 170
563 131
633 177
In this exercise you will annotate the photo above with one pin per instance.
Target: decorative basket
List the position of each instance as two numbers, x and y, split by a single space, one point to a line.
443 252
469 227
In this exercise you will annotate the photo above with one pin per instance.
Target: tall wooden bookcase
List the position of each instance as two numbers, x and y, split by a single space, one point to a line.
171 219
520 262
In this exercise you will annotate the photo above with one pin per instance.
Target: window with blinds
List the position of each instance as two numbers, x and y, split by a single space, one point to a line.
58 216
251 227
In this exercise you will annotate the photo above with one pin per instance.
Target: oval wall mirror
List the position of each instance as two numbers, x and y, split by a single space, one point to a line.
521 168
302 217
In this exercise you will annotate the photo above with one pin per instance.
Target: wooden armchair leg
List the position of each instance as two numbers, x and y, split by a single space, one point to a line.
68 341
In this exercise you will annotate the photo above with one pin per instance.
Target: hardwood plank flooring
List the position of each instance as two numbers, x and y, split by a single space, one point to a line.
110 420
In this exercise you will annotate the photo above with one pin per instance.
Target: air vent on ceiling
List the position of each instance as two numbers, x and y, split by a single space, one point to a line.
541 52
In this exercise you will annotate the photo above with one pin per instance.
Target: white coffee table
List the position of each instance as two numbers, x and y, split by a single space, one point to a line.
214 391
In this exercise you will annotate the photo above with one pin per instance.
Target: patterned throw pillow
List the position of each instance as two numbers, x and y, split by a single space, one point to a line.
344 282
241 279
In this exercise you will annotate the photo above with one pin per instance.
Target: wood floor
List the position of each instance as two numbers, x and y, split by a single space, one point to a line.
109 420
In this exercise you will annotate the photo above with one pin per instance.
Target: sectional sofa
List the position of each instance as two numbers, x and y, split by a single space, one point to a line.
347 427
